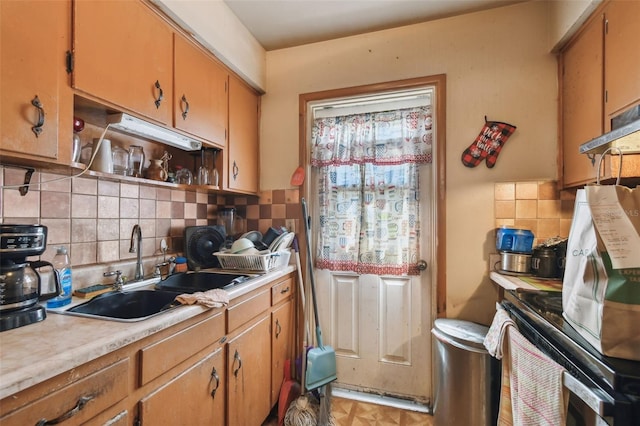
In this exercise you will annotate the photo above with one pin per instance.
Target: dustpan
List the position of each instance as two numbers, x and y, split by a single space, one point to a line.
321 360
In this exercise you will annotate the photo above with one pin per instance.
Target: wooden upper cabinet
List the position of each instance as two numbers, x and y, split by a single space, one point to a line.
200 105
242 159
35 37
622 57
600 72
123 55
582 102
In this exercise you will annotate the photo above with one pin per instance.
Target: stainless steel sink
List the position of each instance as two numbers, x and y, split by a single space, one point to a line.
126 306
144 299
191 282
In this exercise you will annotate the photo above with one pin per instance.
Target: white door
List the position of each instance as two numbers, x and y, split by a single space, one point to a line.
380 326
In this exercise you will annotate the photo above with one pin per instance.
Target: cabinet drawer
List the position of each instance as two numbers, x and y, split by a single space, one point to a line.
79 401
162 356
283 290
248 309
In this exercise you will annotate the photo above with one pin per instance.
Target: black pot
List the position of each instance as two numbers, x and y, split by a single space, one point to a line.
547 260
544 262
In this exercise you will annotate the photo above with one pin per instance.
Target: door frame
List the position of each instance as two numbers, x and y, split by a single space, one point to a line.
439 148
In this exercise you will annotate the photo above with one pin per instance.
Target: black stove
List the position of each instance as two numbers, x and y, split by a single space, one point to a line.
615 382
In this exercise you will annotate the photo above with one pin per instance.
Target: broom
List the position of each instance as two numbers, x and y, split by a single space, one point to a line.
301 412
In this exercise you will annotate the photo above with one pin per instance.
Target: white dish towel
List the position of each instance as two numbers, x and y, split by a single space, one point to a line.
494 340
537 394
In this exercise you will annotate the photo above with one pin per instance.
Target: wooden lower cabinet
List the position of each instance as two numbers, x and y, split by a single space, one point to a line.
196 396
249 374
282 335
213 369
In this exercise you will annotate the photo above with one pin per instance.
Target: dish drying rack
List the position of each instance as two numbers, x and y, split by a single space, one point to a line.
254 262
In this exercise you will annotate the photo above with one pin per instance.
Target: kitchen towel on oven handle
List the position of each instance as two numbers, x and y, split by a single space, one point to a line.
601 285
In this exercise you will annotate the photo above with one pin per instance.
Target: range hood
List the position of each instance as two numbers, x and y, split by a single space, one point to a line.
624 136
134 126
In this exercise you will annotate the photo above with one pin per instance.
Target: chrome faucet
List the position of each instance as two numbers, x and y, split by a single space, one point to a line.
137 234
119 282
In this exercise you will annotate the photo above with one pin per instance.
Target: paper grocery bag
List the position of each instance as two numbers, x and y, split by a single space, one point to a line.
601 285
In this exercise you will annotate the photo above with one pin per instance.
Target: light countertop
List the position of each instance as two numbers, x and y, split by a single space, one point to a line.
36 352
525 282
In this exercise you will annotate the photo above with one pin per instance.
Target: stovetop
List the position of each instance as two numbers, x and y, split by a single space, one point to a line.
544 311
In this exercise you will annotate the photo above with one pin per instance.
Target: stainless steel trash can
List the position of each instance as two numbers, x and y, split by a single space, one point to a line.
467 378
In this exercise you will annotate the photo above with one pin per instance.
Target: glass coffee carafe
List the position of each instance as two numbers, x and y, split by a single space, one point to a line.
21 285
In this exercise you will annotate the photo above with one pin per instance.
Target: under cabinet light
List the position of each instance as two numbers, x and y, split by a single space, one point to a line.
137 127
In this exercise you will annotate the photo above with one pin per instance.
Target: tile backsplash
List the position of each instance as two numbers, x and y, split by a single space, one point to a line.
94 217
538 206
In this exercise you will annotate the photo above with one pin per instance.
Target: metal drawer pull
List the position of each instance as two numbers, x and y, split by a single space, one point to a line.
185 110
284 290
160 94
75 410
236 357
37 129
214 375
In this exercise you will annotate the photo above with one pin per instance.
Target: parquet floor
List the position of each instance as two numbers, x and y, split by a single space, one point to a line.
347 412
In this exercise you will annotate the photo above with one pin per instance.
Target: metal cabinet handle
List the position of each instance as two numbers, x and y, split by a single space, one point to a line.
158 100
185 110
37 129
236 170
236 357
278 328
214 376
284 290
75 410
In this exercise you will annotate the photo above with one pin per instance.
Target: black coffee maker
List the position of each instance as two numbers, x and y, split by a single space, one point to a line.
20 284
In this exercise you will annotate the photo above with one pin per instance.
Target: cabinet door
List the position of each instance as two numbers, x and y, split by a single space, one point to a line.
242 164
249 374
622 57
200 93
123 55
34 39
582 109
195 397
282 335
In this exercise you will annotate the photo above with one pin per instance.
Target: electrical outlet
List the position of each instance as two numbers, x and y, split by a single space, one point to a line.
290 224
494 261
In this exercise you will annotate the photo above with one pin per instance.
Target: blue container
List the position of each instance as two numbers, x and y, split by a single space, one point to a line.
514 240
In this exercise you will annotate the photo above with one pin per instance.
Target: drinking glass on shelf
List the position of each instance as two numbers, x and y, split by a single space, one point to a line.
136 160
213 172
183 175
203 170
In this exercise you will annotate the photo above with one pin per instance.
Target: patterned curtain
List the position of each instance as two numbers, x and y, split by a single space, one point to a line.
367 169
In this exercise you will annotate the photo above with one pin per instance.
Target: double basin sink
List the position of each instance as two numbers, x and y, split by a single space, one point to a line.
150 297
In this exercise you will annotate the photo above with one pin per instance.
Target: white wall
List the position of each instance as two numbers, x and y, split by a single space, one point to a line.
565 17
220 31
497 64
